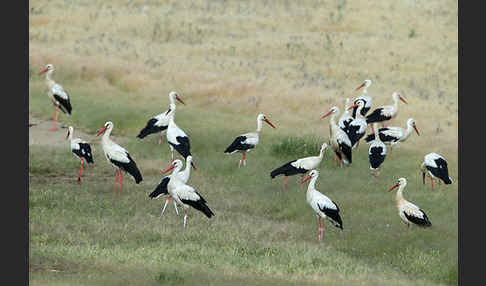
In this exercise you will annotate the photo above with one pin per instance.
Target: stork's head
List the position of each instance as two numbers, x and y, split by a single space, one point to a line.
48 68
312 174
175 95
411 122
175 164
323 146
358 103
189 161
401 182
396 96
333 110
366 83
108 126
69 131
262 117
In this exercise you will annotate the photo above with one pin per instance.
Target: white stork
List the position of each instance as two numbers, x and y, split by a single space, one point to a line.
81 149
177 138
118 157
299 166
57 94
363 97
376 153
435 166
393 135
357 127
408 212
386 112
323 206
160 122
245 142
185 195
339 140
161 189
346 118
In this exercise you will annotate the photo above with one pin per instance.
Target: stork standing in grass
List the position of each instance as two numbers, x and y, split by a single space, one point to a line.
393 135
323 206
161 189
339 140
408 212
160 122
177 138
57 94
118 157
81 149
386 112
299 166
185 195
435 166
363 97
376 153
245 142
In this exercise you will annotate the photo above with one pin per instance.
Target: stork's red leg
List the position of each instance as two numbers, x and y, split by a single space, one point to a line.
116 180
121 181
423 177
185 219
56 112
335 160
320 229
432 182
357 144
80 172
342 159
160 138
285 181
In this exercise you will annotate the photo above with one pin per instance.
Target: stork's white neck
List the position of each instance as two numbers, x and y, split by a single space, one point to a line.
333 119
321 153
399 196
259 125
312 184
187 171
377 132
174 176
171 98
70 136
105 139
49 81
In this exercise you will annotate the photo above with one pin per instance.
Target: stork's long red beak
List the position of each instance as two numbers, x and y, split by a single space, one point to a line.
179 99
42 71
327 114
305 179
359 87
416 130
101 131
396 185
269 123
353 106
168 169
403 100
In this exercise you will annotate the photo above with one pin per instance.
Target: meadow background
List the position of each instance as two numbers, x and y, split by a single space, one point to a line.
229 61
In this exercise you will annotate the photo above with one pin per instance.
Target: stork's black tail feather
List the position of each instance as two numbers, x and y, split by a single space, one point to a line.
200 205
150 128
288 170
161 188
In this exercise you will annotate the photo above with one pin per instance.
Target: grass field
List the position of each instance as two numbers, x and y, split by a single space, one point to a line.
230 60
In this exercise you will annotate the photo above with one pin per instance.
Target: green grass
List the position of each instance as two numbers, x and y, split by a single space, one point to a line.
260 232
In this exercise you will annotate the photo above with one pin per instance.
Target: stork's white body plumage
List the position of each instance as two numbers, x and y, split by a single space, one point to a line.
176 137
386 112
407 211
323 206
299 166
376 153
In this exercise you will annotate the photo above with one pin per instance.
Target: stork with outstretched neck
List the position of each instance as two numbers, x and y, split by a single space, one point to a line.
339 140
246 142
57 94
299 166
393 135
386 112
